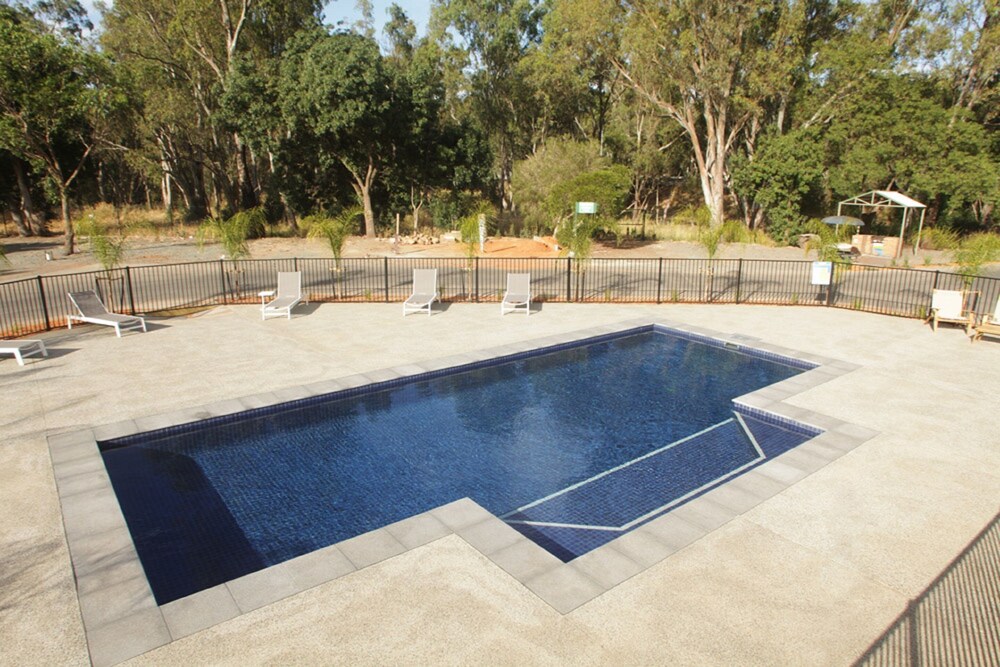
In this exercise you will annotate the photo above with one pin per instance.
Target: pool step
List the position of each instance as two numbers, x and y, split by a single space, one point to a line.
580 517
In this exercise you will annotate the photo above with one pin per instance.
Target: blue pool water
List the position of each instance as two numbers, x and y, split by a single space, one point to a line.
571 446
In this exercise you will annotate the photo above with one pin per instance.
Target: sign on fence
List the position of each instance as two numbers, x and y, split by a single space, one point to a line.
586 207
822 272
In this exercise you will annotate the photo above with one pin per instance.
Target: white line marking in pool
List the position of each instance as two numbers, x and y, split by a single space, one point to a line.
663 508
746 430
582 526
615 469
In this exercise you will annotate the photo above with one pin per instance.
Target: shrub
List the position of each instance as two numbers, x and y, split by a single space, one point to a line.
975 251
335 230
936 238
234 232
109 248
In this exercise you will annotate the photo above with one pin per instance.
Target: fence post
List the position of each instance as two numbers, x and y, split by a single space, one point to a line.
569 279
937 275
833 281
659 280
45 305
739 280
385 270
222 279
131 296
475 269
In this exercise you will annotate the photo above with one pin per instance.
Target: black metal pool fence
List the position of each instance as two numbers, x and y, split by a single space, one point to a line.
38 304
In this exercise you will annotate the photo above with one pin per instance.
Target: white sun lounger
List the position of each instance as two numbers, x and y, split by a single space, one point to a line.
92 310
949 306
23 348
288 295
424 291
518 294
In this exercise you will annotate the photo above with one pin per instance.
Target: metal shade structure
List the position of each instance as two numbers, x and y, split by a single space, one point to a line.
890 199
838 220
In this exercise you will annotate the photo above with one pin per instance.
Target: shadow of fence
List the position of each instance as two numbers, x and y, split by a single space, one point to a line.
956 620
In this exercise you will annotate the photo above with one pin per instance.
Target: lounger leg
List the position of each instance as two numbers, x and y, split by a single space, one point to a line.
20 359
41 347
118 330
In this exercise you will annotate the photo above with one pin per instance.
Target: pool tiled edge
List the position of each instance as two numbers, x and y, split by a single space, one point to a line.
122 620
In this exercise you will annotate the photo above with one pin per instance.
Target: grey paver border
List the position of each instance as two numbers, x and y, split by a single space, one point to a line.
122 620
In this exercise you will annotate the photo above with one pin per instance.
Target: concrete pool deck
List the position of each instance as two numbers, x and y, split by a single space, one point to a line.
813 574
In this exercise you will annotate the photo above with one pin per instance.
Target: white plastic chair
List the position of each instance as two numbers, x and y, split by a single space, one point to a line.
518 294
23 348
93 311
425 292
287 296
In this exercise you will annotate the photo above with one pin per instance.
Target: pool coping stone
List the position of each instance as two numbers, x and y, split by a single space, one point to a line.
106 563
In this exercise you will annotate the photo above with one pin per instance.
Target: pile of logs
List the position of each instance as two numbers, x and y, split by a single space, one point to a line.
418 239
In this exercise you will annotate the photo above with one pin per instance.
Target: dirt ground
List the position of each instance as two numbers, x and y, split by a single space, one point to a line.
40 256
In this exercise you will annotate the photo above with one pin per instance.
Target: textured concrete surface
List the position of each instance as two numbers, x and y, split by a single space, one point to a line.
811 575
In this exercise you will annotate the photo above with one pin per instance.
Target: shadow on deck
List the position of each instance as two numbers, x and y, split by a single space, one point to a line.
956 620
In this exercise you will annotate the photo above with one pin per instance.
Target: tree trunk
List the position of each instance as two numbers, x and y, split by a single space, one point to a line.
247 194
363 189
416 203
100 182
18 217
67 222
366 200
34 222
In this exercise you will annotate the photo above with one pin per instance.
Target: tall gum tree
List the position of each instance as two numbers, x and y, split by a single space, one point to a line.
184 54
495 38
699 63
51 92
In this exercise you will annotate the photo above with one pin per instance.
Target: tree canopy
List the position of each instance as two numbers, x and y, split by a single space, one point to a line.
762 111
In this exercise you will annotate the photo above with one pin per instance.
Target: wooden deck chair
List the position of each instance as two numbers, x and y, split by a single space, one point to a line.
951 306
990 324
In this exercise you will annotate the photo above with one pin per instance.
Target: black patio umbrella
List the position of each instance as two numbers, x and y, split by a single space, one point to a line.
839 220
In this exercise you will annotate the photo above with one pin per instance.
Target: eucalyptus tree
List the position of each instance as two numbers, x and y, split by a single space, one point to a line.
574 69
338 97
52 91
184 56
957 44
494 39
718 69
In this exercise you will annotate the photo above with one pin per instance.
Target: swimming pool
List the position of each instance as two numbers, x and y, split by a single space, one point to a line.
571 445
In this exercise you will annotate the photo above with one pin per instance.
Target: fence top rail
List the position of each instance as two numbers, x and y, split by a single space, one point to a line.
500 260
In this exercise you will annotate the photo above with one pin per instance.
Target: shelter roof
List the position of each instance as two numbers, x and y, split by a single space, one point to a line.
884 198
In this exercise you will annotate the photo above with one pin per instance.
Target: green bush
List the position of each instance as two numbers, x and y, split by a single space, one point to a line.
469 226
108 247
551 168
936 238
698 216
335 230
975 251
608 188
234 232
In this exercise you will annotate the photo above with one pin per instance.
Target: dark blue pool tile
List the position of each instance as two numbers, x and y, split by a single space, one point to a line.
649 484
289 479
